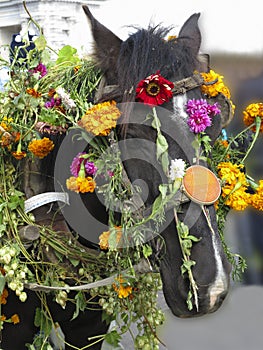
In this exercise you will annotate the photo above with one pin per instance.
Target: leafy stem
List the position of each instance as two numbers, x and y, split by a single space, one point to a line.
258 125
186 241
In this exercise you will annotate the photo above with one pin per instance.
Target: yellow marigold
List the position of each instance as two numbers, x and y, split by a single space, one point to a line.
5 124
2 318
104 237
237 199
101 118
81 184
171 37
256 200
251 112
234 185
33 92
216 88
41 148
122 287
231 173
15 319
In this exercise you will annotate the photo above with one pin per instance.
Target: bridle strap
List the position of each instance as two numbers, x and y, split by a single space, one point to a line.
180 86
186 84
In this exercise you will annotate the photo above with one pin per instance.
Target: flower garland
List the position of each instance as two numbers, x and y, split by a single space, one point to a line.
42 97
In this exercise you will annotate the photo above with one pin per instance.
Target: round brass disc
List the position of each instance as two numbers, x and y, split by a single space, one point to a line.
201 185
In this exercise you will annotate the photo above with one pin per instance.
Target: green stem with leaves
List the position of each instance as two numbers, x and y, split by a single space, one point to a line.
258 125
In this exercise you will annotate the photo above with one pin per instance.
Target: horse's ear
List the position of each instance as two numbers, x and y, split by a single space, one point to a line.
107 44
190 33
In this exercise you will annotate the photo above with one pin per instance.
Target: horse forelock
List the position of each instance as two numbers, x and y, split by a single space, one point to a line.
146 52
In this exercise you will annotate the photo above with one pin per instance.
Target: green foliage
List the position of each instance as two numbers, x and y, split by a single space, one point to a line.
68 55
113 338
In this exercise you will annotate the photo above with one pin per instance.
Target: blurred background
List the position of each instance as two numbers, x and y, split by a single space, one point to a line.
232 34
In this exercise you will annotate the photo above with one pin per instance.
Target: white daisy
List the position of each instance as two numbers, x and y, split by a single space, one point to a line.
177 169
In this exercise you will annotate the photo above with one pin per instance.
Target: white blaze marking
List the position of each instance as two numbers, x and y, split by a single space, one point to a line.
220 282
179 103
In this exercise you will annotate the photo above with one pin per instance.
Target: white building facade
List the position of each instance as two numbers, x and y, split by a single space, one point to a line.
62 21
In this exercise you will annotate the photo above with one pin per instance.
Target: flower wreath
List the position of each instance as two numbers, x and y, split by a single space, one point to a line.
49 96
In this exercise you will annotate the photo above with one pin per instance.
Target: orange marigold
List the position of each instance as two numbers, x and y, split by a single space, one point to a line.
15 319
104 237
122 287
2 318
81 184
76 69
4 296
251 112
19 154
101 118
33 92
256 200
41 148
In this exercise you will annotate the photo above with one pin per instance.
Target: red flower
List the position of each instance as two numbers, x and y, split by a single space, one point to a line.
154 90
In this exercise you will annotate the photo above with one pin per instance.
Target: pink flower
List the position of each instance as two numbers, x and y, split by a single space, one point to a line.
90 168
41 69
200 113
54 102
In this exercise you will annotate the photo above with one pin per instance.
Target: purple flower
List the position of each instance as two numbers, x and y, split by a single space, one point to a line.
90 168
54 102
49 104
200 113
41 69
80 158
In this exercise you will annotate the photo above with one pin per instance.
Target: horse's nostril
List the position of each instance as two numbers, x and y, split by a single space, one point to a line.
221 297
216 299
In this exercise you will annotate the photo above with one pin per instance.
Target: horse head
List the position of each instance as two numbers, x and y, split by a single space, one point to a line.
125 64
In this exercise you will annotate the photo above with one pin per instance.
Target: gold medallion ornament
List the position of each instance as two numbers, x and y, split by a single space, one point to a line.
201 185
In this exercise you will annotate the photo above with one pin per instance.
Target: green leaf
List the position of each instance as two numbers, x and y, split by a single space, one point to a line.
113 338
156 123
147 251
194 238
74 262
187 265
67 54
156 205
2 283
189 300
183 230
43 322
80 304
40 43
106 318
163 188
162 145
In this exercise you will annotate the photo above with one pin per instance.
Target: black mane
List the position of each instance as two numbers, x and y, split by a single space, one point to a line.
137 58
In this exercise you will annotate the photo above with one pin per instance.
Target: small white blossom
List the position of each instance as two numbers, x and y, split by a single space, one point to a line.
6 258
177 169
14 265
66 100
22 275
23 297
12 285
10 273
61 298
